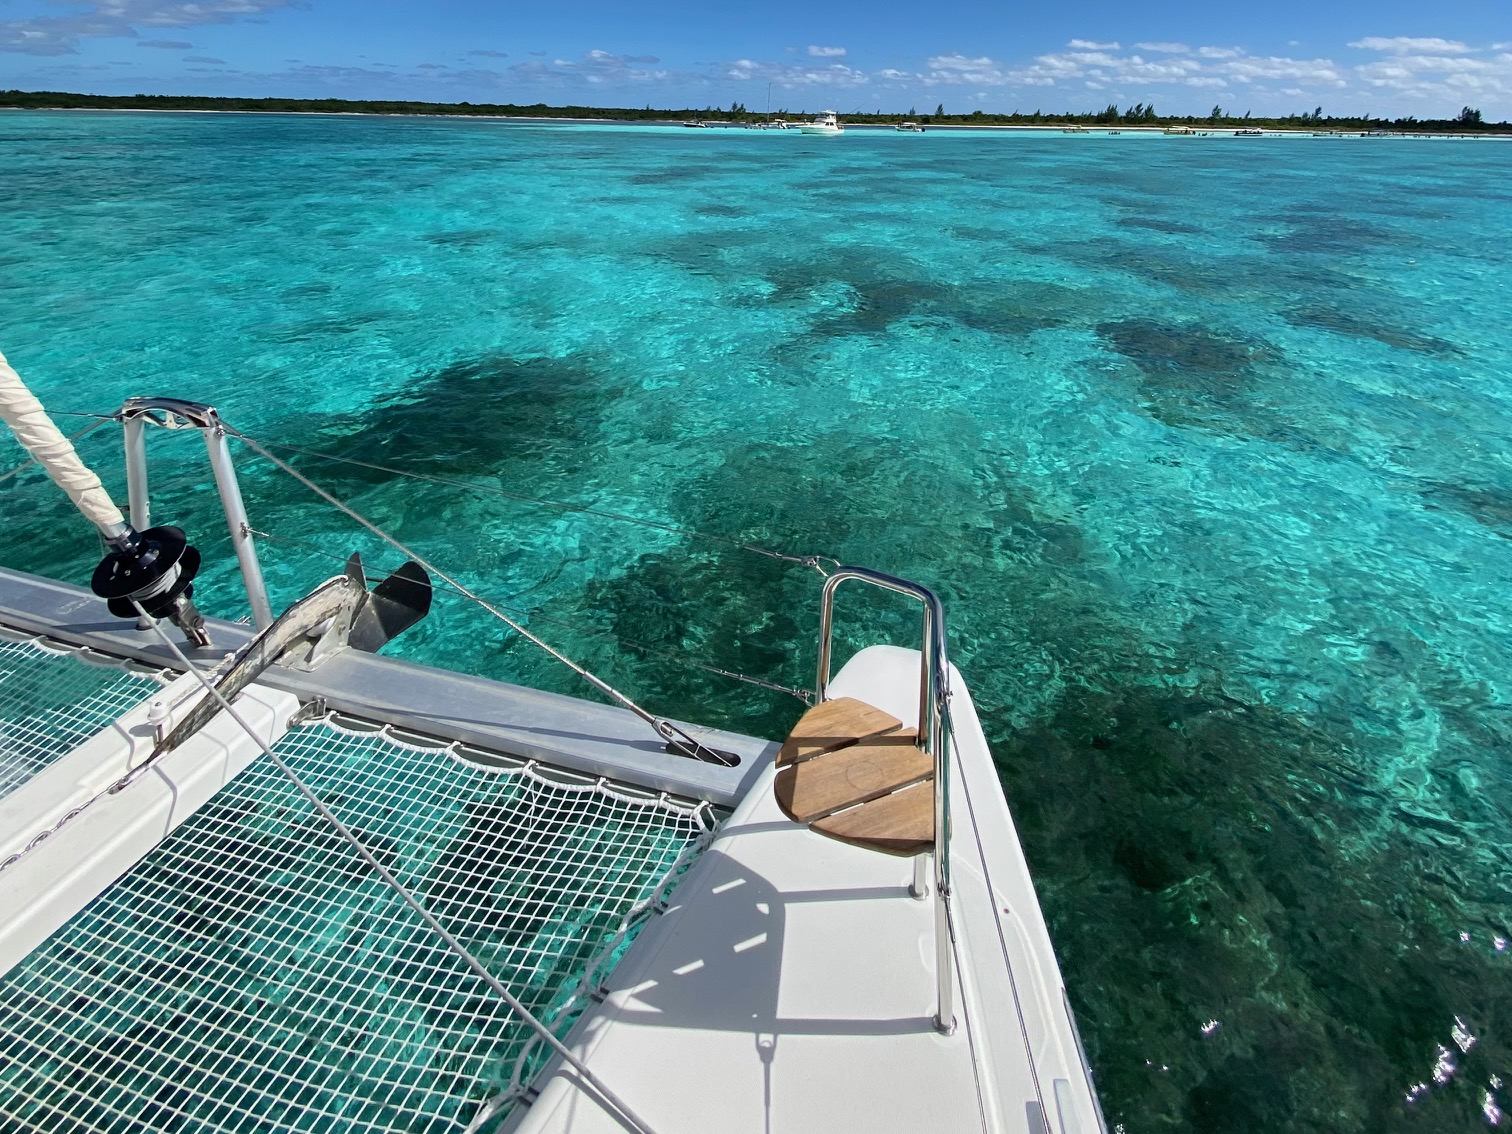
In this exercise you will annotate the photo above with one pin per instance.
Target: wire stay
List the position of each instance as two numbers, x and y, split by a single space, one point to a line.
814 561
463 954
804 695
675 737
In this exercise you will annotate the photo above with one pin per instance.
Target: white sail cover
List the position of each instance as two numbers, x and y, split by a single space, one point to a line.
21 410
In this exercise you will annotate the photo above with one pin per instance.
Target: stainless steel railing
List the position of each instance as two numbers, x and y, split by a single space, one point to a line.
934 738
173 413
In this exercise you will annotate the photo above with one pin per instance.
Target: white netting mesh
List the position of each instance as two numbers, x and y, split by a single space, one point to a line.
51 700
254 974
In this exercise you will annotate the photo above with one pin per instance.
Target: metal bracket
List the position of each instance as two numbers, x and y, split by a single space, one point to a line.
170 413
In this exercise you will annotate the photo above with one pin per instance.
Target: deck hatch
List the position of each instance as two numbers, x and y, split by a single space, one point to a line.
254 973
52 699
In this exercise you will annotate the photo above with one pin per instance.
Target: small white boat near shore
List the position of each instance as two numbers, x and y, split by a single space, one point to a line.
827 124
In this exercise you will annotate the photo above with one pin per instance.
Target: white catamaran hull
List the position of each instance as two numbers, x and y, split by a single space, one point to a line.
789 987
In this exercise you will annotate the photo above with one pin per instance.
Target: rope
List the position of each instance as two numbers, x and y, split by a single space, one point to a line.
804 695
72 437
668 731
814 561
20 409
605 1094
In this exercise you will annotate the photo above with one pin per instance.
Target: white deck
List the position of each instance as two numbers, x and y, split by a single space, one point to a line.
791 984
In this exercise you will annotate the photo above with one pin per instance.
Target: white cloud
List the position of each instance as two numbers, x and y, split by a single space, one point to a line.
120 19
791 76
1444 79
596 67
607 59
979 70
165 44
1248 68
1273 81
1402 45
1431 77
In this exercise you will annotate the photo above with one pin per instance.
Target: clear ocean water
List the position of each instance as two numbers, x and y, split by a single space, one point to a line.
1204 442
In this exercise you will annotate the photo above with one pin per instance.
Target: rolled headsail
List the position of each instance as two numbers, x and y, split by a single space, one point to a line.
21 410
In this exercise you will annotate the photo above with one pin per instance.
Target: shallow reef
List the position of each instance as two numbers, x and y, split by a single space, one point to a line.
1203 448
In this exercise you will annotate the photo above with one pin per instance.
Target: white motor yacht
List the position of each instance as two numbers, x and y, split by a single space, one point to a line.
261 878
827 123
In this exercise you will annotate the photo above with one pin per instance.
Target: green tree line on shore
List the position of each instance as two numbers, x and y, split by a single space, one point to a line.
1468 121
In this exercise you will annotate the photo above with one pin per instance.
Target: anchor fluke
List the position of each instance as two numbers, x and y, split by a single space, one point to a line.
390 608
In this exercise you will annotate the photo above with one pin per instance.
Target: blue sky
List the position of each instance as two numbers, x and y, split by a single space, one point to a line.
1388 58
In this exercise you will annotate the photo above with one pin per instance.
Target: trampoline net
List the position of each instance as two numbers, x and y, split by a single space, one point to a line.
253 973
53 698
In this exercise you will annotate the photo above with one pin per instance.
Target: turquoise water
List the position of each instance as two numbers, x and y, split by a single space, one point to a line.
1202 441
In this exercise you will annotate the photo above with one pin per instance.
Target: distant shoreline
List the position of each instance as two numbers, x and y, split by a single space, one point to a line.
1136 120
868 127
331 114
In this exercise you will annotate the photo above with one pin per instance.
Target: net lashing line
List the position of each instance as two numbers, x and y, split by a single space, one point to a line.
53 697
677 739
804 695
268 965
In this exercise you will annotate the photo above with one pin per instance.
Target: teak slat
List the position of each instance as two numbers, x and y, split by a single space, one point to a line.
851 772
854 774
834 724
901 823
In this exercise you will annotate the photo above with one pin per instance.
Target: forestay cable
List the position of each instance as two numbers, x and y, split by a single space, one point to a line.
814 561
671 733
634 1121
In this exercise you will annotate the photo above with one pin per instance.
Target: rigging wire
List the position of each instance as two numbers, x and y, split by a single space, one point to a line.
462 952
804 695
677 739
814 561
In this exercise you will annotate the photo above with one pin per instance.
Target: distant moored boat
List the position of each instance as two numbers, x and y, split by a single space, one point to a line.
826 124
